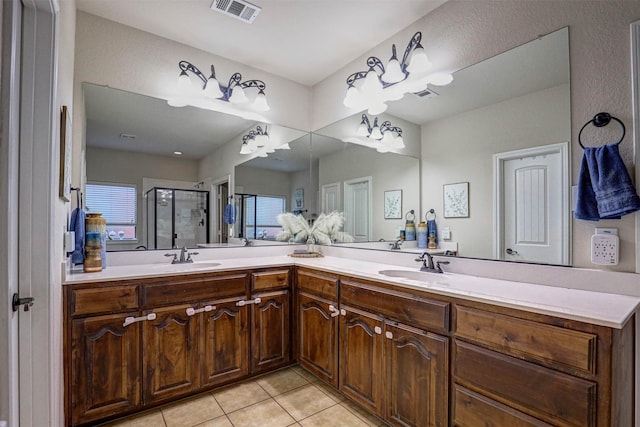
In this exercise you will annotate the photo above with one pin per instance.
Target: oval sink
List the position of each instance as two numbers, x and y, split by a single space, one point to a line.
198 265
420 276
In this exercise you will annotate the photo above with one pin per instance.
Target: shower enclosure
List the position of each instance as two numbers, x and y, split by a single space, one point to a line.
177 218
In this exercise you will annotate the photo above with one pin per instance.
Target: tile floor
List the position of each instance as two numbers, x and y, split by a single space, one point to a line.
288 397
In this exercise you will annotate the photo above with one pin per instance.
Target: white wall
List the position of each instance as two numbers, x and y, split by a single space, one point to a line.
308 181
388 172
461 33
263 182
460 149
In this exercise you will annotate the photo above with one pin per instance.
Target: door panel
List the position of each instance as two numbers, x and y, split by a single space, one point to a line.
357 208
270 333
331 197
317 337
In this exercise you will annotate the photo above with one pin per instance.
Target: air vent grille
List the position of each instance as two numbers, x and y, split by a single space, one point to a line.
426 93
238 9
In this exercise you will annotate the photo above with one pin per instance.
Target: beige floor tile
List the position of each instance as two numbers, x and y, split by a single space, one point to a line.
281 382
370 419
304 373
263 414
222 421
330 391
149 419
190 412
304 401
335 416
240 396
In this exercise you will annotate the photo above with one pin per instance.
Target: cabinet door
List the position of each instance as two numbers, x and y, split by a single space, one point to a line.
225 343
169 354
270 331
361 358
105 367
317 337
416 365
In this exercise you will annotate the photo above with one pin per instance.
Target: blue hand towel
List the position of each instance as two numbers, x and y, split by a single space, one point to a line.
229 216
605 190
432 228
76 225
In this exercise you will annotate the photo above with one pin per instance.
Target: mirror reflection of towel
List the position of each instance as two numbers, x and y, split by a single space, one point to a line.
76 224
432 228
229 216
605 190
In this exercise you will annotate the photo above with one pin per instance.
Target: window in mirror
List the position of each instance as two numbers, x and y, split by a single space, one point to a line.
117 203
260 216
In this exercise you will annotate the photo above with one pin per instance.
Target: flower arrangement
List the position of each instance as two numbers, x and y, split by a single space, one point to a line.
324 231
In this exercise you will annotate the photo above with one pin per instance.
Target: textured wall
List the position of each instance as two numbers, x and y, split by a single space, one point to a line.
462 33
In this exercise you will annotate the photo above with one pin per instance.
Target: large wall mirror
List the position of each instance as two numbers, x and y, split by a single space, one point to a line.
498 138
503 123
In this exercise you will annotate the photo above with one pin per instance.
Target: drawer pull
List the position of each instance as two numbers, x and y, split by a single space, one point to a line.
334 311
191 311
377 330
343 312
129 320
389 335
247 302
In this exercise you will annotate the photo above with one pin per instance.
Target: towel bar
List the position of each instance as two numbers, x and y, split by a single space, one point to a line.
601 120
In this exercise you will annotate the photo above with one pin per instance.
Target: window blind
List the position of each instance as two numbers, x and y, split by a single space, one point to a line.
117 203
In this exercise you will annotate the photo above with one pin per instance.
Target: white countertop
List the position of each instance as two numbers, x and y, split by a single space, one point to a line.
611 310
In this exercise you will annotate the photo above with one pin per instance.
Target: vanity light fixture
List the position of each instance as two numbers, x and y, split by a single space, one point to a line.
383 138
258 141
382 84
209 88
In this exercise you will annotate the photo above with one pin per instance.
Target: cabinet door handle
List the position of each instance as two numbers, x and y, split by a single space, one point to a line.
192 311
247 302
377 330
334 311
129 320
343 312
389 335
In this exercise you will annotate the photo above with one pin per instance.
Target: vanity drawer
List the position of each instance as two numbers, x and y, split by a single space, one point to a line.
274 279
186 290
474 410
318 284
551 344
103 299
404 307
549 395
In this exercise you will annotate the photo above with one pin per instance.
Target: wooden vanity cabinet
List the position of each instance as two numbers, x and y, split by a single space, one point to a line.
271 319
317 324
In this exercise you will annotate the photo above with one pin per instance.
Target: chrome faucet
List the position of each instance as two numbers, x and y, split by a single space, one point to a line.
185 256
427 263
246 242
395 246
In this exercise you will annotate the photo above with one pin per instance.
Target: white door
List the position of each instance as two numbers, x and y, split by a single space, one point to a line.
534 205
357 208
331 197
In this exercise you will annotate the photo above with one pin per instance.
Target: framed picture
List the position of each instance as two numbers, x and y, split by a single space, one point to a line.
456 200
298 198
393 204
64 191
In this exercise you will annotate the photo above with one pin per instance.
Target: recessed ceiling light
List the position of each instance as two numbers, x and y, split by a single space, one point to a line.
178 153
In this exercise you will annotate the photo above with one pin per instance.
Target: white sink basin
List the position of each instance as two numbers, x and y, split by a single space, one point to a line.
191 266
420 276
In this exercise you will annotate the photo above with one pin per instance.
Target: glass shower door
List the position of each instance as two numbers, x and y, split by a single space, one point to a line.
190 218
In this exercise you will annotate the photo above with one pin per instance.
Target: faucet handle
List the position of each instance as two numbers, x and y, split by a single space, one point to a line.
438 263
175 257
189 256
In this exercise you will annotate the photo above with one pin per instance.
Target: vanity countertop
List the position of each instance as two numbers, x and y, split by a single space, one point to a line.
606 309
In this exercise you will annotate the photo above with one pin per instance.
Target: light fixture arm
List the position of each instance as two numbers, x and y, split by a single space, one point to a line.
187 66
386 127
414 43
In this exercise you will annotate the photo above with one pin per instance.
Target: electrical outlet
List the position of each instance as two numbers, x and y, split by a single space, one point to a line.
604 246
446 233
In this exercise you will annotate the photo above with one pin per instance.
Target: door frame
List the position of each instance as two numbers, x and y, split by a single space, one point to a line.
347 191
215 206
499 159
323 190
635 89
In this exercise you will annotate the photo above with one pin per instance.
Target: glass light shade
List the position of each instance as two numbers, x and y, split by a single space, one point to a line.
440 79
284 146
363 130
177 102
388 138
238 96
372 82
419 62
393 73
377 108
262 153
382 148
375 133
268 149
253 144
352 97
260 103
212 89
398 142
184 83
261 140
245 149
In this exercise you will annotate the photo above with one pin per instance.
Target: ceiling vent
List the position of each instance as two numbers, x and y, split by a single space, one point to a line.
127 136
239 9
426 93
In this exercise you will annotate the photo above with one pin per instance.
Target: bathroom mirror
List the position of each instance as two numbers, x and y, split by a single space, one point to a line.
481 133
164 155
